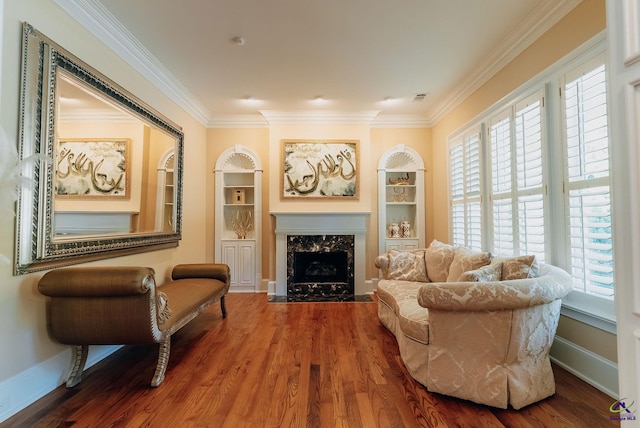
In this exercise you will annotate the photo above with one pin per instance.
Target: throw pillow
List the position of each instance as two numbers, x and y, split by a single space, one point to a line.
519 267
439 257
465 260
407 266
491 272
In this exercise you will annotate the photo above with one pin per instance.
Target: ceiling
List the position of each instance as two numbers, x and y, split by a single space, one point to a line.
373 58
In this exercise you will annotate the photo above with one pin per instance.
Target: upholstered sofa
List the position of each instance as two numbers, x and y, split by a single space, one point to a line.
473 326
115 305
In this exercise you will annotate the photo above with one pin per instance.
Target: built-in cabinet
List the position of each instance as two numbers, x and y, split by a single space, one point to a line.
238 214
165 200
401 210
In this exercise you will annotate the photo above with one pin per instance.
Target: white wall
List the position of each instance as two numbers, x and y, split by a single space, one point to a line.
28 357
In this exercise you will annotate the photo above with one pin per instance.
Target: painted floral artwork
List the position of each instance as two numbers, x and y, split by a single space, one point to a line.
92 168
320 169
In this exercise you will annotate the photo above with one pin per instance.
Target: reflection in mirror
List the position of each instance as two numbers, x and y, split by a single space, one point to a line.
106 167
114 184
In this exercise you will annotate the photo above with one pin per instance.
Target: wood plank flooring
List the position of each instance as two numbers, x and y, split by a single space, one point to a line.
287 365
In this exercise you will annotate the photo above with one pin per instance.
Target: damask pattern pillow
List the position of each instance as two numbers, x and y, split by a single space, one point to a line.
519 267
439 257
407 266
491 272
465 260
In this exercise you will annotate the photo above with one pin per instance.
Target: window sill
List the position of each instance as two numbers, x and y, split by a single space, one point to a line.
590 315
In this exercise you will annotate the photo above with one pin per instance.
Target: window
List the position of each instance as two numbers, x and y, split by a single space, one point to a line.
543 164
516 140
466 212
586 181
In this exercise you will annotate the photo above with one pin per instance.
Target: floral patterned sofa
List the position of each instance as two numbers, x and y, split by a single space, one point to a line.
473 326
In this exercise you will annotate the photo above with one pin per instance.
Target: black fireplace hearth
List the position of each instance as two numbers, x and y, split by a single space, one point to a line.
320 268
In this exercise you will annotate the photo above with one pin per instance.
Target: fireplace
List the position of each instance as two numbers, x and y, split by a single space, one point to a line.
309 266
320 267
320 232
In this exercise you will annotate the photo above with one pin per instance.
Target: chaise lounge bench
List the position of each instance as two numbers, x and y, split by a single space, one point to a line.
122 305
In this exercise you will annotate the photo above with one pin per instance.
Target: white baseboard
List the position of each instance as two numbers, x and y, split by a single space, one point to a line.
271 288
25 388
588 366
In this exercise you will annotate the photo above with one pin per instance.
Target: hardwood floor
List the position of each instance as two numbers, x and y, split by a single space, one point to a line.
287 365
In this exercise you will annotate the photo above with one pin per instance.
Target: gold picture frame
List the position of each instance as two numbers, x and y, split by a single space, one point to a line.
92 168
320 169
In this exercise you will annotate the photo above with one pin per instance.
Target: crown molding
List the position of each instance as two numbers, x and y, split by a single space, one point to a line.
97 116
238 121
401 121
319 117
101 23
534 25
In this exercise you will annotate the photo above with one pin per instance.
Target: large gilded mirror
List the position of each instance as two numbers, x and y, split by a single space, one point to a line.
109 179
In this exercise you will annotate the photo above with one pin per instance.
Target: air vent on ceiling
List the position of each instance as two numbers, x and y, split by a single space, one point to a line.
419 97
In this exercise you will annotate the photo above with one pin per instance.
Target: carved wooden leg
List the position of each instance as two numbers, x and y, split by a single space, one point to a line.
223 308
78 360
163 360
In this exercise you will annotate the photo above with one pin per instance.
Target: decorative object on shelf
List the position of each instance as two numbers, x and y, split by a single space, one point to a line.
319 169
238 196
242 223
402 180
394 230
405 229
399 195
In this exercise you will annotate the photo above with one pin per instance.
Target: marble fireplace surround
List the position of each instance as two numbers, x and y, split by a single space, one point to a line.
325 223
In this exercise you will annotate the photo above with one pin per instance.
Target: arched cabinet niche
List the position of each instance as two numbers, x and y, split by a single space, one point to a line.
165 199
401 200
238 217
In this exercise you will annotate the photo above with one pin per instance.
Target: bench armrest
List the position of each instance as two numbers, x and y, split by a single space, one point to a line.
217 271
106 281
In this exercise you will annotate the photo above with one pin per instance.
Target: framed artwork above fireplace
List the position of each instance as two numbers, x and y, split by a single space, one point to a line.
320 169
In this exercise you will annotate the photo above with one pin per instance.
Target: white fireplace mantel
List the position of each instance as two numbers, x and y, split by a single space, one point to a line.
321 223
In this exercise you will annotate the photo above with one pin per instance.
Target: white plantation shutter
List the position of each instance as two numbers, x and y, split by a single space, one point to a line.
587 193
517 178
464 164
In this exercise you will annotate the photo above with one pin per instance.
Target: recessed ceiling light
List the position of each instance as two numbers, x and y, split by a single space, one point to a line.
248 99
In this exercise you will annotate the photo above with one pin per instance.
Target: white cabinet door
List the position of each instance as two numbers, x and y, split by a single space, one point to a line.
246 264
240 256
402 244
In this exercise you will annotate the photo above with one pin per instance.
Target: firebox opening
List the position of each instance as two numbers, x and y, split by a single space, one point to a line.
320 267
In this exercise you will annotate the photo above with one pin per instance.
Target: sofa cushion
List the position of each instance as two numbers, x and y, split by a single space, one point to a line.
491 272
391 292
414 320
407 266
465 260
519 267
439 257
